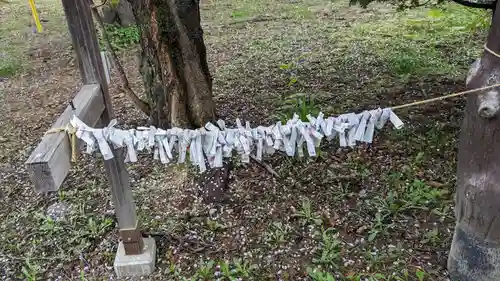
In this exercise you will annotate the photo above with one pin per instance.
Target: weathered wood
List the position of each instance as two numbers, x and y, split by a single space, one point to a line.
107 66
86 45
475 249
50 162
120 190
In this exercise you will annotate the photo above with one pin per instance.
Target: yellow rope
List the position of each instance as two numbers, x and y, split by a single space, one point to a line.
445 97
71 131
455 94
35 16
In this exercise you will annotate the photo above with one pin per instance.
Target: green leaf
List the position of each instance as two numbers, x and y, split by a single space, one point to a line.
420 274
310 271
29 275
284 66
25 272
435 13
114 3
372 236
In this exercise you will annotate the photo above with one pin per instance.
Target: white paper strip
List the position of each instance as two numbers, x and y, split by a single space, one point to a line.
215 142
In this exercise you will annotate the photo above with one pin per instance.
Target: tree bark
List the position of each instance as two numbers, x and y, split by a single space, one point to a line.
125 13
475 249
122 14
176 76
174 63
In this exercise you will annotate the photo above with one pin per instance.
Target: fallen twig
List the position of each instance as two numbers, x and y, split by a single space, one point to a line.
258 18
142 105
266 166
253 20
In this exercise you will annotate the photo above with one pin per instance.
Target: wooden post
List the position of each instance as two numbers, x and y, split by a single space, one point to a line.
83 34
475 249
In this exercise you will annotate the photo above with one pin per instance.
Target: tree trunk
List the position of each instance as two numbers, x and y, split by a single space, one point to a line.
475 249
121 14
176 76
174 64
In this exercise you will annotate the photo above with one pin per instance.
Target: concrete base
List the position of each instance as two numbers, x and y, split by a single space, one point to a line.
136 265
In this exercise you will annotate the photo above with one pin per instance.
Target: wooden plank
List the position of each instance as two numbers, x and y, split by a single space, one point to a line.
107 66
83 35
49 163
120 190
82 30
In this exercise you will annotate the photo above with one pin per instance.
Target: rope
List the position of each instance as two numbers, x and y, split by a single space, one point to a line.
454 94
71 131
491 51
72 138
445 97
35 16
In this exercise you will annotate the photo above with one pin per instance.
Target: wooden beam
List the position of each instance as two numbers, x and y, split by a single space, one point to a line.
50 162
83 34
107 66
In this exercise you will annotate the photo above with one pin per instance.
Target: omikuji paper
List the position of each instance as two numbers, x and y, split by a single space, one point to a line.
213 143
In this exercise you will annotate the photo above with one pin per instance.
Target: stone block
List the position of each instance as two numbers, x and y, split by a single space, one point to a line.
136 265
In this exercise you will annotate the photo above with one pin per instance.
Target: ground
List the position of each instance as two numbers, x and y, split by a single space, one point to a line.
383 211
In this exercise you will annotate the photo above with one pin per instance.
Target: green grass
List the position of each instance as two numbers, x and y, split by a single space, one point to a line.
19 43
246 9
121 38
10 61
17 37
9 67
423 42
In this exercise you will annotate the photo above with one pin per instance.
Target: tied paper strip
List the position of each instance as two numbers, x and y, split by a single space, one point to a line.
212 143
